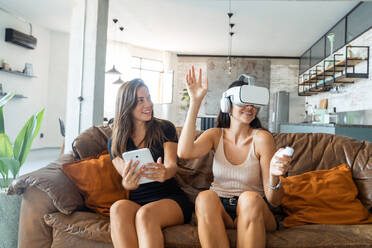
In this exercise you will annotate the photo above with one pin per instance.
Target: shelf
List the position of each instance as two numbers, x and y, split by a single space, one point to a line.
337 67
19 73
330 73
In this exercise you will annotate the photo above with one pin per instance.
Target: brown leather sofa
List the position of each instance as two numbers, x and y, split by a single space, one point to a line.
53 213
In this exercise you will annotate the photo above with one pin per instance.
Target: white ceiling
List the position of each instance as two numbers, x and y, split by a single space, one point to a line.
263 28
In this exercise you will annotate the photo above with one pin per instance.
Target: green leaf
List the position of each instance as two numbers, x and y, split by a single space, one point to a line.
6 98
39 117
2 126
4 169
21 141
25 137
6 149
12 164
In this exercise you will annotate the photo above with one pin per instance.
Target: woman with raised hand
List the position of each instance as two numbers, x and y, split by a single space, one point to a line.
138 221
246 171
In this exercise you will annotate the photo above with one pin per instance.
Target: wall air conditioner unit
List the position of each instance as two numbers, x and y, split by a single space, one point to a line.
19 38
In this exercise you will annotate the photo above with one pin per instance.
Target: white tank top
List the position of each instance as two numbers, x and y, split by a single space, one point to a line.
232 180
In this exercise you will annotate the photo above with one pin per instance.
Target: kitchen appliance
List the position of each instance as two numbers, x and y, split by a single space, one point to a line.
280 112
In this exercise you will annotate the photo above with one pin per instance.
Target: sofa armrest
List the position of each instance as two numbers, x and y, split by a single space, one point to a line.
51 180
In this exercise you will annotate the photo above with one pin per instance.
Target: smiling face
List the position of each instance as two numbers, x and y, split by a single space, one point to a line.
144 106
245 114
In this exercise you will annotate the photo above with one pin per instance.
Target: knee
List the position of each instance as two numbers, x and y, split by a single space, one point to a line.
145 217
250 206
207 202
121 209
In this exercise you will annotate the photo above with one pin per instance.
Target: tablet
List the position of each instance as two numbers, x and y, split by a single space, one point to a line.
143 156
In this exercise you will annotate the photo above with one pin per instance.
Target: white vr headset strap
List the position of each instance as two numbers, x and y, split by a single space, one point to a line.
232 93
225 102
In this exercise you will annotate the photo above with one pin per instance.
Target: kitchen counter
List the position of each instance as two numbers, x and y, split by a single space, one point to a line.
327 125
359 132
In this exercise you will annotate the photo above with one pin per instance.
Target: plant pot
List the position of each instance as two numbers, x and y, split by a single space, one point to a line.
9 211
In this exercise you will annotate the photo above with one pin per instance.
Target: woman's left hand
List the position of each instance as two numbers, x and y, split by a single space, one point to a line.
155 171
279 165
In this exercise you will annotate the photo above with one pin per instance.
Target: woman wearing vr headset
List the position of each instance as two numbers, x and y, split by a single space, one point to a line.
245 167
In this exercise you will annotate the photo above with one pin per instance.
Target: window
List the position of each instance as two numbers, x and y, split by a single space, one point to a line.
335 38
305 61
317 52
152 73
359 20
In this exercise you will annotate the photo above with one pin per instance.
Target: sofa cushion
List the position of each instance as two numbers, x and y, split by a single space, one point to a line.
323 197
85 225
91 142
98 181
91 226
319 151
322 236
64 240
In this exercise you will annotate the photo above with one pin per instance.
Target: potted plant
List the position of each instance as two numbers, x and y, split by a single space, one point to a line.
185 99
12 157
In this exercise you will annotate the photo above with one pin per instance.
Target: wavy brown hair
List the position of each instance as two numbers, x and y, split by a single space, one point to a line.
123 126
223 119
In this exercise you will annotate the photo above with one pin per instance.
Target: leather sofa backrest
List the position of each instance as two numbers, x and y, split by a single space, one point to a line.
313 151
91 142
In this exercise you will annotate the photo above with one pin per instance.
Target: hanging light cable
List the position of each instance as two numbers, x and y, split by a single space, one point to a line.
231 33
113 70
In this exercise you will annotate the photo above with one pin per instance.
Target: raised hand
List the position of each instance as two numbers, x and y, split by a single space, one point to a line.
196 90
279 165
155 171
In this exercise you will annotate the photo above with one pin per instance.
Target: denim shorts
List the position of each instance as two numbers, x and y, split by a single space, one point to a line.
230 205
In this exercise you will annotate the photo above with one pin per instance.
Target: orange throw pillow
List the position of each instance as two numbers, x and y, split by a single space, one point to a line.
323 197
98 181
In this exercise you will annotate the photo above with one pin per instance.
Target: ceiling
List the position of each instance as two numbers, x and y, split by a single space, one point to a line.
263 28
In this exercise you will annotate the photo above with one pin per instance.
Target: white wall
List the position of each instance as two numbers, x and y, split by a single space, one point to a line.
47 90
57 87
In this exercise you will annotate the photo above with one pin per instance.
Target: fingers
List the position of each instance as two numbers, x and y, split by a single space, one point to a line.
193 73
159 160
200 77
126 168
137 176
206 84
189 77
131 170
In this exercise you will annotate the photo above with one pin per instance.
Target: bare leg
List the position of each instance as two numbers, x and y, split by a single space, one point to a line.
154 216
122 221
212 220
253 219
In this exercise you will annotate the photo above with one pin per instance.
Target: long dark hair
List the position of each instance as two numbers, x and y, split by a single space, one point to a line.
123 126
223 119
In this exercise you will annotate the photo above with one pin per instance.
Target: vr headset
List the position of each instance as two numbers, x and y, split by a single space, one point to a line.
244 95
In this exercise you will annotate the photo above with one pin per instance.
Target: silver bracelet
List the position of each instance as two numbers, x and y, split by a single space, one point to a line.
276 187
